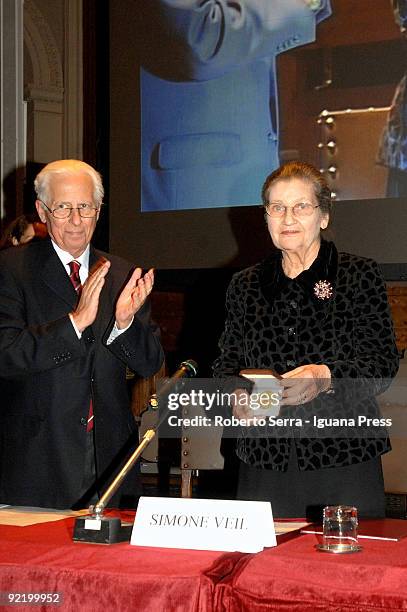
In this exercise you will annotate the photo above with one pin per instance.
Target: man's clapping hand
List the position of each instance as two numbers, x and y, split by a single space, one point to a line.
87 308
133 296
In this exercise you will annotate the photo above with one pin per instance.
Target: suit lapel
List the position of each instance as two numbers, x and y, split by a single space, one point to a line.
55 276
105 311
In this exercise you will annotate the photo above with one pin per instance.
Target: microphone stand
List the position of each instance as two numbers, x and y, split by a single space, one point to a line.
99 529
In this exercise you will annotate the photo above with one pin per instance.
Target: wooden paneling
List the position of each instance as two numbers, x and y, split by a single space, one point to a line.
398 303
168 309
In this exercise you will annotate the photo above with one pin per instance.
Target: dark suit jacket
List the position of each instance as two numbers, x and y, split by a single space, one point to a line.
49 375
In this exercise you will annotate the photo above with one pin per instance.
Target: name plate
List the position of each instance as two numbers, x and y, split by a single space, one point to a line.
204 524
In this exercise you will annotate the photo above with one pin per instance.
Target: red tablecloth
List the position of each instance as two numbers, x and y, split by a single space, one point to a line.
119 577
294 577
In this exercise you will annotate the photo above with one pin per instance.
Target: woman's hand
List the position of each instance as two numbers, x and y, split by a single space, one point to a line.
241 407
303 384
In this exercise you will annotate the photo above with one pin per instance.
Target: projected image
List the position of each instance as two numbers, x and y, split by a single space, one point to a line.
209 102
393 146
231 89
362 125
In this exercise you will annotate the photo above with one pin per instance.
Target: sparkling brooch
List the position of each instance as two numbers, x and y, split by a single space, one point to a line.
323 290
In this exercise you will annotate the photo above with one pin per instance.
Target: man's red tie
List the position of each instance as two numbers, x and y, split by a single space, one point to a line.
74 276
76 281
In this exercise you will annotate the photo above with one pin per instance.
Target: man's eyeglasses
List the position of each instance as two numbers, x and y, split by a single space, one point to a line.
62 210
301 209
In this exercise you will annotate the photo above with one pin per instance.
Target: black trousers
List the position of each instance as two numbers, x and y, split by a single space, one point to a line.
88 493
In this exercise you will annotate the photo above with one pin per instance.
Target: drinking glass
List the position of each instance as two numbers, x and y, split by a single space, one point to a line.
340 530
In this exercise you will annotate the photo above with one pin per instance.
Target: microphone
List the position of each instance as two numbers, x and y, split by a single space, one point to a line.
107 530
187 369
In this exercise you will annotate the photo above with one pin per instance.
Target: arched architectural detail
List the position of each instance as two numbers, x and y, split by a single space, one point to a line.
43 51
44 93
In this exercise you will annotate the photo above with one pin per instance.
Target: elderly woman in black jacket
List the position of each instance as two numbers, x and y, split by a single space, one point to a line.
321 320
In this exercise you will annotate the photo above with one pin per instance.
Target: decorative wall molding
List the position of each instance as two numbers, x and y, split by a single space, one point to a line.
43 50
45 94
55 97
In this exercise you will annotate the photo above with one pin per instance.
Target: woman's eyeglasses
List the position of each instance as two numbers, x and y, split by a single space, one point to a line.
301 209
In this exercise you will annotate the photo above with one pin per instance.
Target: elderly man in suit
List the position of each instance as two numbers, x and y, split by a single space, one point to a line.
209 96
72 319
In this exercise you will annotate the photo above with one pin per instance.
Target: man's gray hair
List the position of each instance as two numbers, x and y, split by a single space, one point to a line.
69 167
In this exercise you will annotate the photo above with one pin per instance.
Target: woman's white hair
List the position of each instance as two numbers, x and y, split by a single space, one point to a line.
67 166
